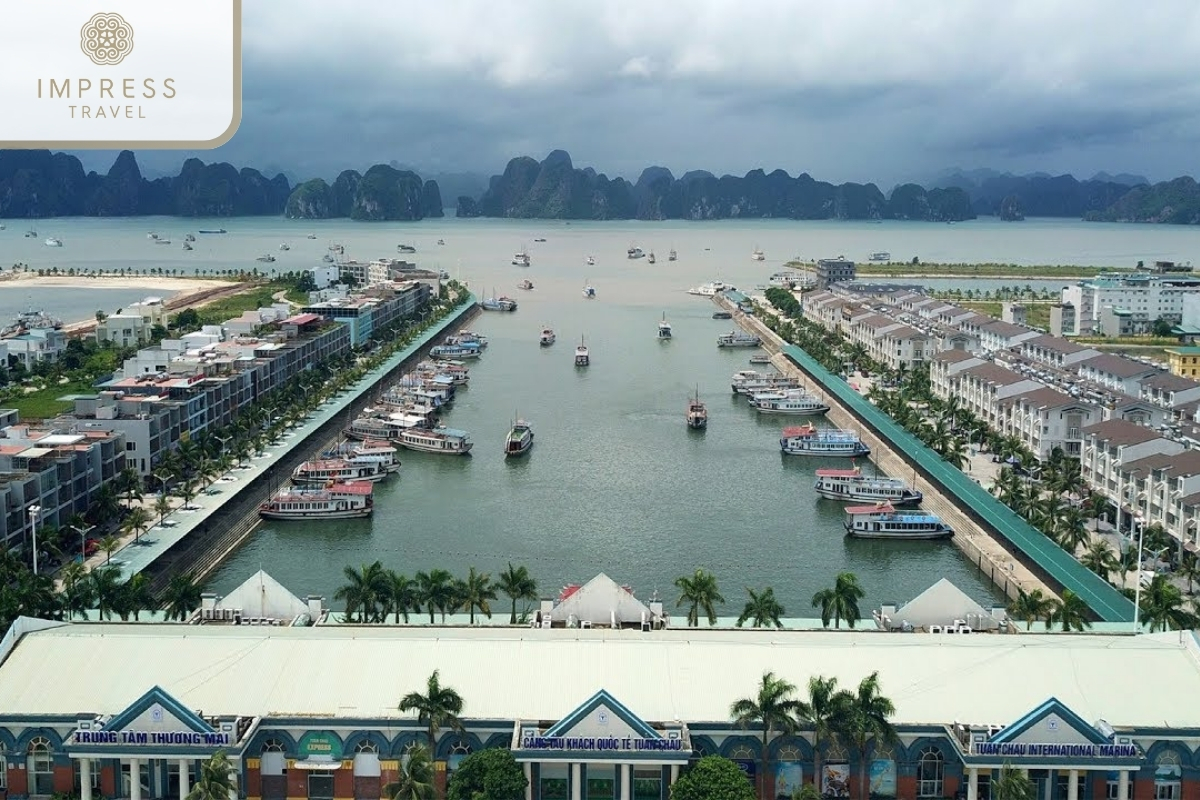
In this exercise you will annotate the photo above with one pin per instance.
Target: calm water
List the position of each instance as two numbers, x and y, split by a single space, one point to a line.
615 481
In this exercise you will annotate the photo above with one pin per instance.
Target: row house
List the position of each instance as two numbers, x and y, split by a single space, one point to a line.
914 303
1116 372
825 309
933 311
954 315
945 366
1169 391
1055 351
1110 445
866 329
902 347
980 389
1164 489
1135 410
997 335
151 425
1046 418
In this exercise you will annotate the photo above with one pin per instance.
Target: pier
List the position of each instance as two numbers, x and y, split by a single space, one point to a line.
1015 556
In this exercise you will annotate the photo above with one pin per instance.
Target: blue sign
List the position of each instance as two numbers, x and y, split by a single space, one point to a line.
602 743
1023 750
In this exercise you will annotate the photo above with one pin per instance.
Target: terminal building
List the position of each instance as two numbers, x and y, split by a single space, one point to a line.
126 710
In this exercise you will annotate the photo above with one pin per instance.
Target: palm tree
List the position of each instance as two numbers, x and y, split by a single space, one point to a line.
217 781
869 720
1012 784
825 712
1031 607
135 597
401 596
181 596
773 708
416 777
109 544
700 590
106 589
162 506
1071 612
136 522
436 590
477 592
439 707
516 584
363 592
1161 606
840 602
1100 558
1096 505
761 610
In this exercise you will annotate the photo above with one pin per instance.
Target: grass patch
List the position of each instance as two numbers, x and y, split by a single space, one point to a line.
251 299
44 403
1037 315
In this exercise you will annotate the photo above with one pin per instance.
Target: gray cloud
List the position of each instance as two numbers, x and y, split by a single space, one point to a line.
845 91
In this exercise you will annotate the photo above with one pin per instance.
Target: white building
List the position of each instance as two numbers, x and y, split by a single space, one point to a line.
1046 418
1116 372
1146 297
1110 445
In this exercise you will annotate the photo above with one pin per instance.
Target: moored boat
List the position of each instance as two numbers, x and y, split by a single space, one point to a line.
591 261
634 252
852 485
883 255
792 402
526 284
340 470
762 358
52 241
809 440
212 230
738 339
334 501
589 292
368 450
547 338
883 521
441 440
697 413
711 289
721 314
454 351
672 256
521 259
519 440
749 382
757 255
501 303
650 259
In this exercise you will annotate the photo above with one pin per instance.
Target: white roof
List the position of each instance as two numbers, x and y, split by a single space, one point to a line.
598 600
263 596
511 673
940 604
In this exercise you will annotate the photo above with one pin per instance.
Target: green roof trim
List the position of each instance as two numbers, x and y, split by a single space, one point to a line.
1058 566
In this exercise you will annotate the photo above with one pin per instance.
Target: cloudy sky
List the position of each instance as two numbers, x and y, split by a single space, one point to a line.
849 90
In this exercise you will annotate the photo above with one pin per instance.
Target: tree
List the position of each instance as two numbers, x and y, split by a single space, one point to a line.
477 593
216 781
1030 607
840 602
713 778
439 707
1071 612
773 708
1012 784
181 597
516 584
761 610
364 592
700 593
868 720
416 777
436 590
825 713
1161 606
491 774
1100 558
136 522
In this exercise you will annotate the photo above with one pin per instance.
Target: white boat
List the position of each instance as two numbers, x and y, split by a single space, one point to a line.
387 428
188 246
711 289
212 230
266 259
749 381
367 451
441 440
650 259
589 292
406 248
547 337
521 259
52 242
785 279
526 284
809 440
583 358
591 262
328 259
664 328
312 236
758 255
883 521
441 241
150 235
336 501
634 252
761 358
161 240
499 304
285 246
191 237
697 413
791 403
738 339
672 256
339 470
881 256
455 351
519 439
851 484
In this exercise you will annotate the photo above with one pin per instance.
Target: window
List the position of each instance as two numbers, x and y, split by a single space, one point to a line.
366 771
457 754
1168 773
94 776
554 782
273 770
3 773
40 765
647 783
930 768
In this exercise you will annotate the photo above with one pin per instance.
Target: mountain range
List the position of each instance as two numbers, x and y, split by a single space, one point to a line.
38 183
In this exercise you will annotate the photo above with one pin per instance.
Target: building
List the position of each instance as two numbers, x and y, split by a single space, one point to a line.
981 389
1045 419
134 324
590 714
325 275
834 270
1184 361
37 344
1146 297
1116 372
1113 444
1063 319
368 315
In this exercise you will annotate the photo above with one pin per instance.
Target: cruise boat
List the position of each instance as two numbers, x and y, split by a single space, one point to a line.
53 242
526 284
710 289
499 304
650 259
339 470
881 256
761 358
758 255
672 256
634 252
792 403
785 279
387 429
809 440
212 230
367 451
266 259
664 328
441 440
547 337
589 292
285 246
335 501
738 339
697 413
456 351
749 382
406 248
591 261
883 521
851 484
582 357
722 315
519 441
521 259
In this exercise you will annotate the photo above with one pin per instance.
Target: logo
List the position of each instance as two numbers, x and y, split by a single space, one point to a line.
106 39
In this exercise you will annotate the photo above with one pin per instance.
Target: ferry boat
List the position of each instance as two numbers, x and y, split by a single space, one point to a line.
547 337
521 259
697 413
582 357
339 470
589 292
454 351
738 339
881 256
335 501
672 256
883 521
634 252
809 440
758 255
664 328
749 381
722 315
526 284
499 304
761 358
266 259
386 428
212 230
53 242
591 261
710 289
442 440
519 441
791 403
469 337
851 484
367 451
650 259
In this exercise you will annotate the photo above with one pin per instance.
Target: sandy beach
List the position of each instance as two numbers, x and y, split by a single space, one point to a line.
167 287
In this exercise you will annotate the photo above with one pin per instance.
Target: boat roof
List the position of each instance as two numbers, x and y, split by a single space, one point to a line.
325 463
799 430
353 487
839 473
453 432
878 508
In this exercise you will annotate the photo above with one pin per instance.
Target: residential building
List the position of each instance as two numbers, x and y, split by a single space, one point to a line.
1164 489
325 275
999 335
980 390
834 270
382 306
37 344
1045 419
1116 372
902 347
1055 351
1184 361
1063 319
1170 391
944 368
1146 297
151 425
1110 445
1016 313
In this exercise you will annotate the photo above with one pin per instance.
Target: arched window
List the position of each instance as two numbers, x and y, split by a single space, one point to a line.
930 770
1168 774
457 754
273 770
367 770
39 763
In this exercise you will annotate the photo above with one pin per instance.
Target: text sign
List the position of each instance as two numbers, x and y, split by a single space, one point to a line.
599 744
1020 749
154 738
116 74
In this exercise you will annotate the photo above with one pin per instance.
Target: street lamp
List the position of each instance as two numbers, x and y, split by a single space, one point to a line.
1137 587
33 518
82 539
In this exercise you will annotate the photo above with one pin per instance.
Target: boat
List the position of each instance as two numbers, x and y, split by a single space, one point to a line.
441 241
809 440
285 246
722 315
212 230
711 289
851 484
697 413
406 248
188 246
749 382
312 236
547 337
334 501
650 259
191 237
52 242
161 240
266 259
672 256
591 261
501 303
340 249
339 470
521 259
583 357
664 328
328 259
441 440
367 451
634 252
526 284
761 358
32 319
881 256
758 255
796 403
454 351
539 240
589 292
519 441
883 521
738 339
385 429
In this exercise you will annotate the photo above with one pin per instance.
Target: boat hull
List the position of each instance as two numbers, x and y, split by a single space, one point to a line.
305 482
793 412
908 500
924 535
698 424
433 448
518 449
354 513
848 453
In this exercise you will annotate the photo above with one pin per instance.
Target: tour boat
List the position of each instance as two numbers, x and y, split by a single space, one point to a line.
284 246
650 259
386 428
749 382
792 402
266 259
442 440
881 256
634 252
340 470
499 304
591 261
738 339
582 357
526 284
547 337
519 440
589 292
721 314
762 358
406 248
312 236
697 413
190 237
161 240
467 337
374 451
883 521
188 246
53 242
757 255
212 230
454 351
521 259
664 328
809 440
851 484
711 289
334 501
672 256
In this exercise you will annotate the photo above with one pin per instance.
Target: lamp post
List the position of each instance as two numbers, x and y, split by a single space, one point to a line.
83 539
33 518
1137 587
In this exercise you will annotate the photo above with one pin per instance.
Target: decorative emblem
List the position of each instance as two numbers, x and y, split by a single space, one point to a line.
106 39
1052 724
156 713
602 717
